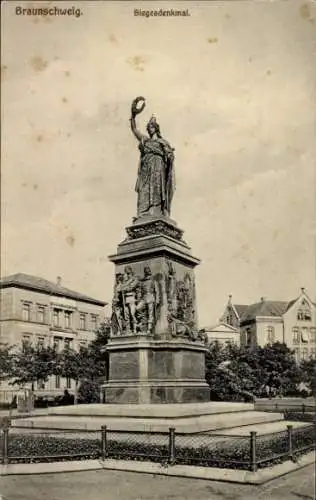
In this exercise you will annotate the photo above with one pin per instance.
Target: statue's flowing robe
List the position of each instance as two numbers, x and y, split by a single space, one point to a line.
155 181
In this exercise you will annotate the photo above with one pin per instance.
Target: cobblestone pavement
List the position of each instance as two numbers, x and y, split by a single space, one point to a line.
115 485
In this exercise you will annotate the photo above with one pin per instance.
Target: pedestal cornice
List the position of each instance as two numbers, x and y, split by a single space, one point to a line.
122 343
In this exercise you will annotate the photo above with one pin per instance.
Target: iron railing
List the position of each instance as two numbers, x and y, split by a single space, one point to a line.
246 452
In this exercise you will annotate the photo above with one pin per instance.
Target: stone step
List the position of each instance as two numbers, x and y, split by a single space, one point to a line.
226 421
261 429
151 410
219 421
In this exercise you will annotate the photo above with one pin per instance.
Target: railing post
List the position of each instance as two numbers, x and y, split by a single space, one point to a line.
303 408
253 451
104 441
5 424
276 407
172 451
5 431
290 440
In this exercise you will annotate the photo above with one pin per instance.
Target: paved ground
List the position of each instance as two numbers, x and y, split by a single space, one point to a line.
114 485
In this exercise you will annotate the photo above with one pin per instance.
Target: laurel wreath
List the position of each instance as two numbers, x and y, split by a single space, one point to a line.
136 109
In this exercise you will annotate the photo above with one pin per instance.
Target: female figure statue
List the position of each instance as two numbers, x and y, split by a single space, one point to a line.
155 181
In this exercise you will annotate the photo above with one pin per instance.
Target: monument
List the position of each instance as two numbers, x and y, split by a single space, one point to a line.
156 353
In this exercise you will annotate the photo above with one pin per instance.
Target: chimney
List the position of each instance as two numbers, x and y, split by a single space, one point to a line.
230 299
58 280
303 290
262 299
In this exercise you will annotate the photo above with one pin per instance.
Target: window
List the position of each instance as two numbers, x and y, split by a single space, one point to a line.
57 317
41 384
248 336
94 322
26 340
313 352
57 381
68 383
297 354
68 315
304 312
229 319
40 341
41 314
304 353
26 312
68 343
82 321
270 335
304 335
56 343
83 343
296 335
313 335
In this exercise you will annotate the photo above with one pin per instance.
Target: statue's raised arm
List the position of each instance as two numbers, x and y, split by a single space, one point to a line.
135 110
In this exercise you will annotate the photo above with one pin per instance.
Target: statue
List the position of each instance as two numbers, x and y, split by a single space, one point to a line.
135 302
171 286
155 181
118 308
128 289
140 311
181 299
151 297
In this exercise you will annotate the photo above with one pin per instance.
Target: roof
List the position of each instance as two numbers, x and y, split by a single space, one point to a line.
291 303
240 309
271 308
220 327
35 283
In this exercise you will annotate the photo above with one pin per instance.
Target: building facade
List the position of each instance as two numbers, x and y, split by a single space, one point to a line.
40 312
265 322
222 333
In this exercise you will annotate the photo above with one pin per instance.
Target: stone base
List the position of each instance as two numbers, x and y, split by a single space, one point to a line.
155 393
185 418
148 371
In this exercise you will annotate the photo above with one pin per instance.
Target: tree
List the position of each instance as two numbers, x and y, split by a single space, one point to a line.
308 374
243 372
279 368
32 364
102 335
5 361
221 379
97 371
89 391
87 365
98 352
73 365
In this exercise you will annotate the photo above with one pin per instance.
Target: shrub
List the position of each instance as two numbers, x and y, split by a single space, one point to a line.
89 392
42 448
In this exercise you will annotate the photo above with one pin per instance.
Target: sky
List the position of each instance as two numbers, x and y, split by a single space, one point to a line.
233 89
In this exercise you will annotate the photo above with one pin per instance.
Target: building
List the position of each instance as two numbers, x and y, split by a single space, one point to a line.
222 333
265 322
40 312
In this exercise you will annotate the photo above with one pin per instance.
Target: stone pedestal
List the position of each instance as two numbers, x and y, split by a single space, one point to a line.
156 353
145 371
